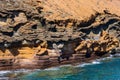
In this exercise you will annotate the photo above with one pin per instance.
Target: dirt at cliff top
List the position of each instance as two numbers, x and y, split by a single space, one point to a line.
64 9
78 9
33 21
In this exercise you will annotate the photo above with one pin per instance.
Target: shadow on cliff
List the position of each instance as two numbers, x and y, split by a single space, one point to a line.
98 29
14 52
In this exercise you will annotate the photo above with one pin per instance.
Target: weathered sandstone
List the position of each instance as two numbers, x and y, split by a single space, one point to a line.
33 33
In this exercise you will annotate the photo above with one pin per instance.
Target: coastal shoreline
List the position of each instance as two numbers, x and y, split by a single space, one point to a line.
27 73
36 35
71 61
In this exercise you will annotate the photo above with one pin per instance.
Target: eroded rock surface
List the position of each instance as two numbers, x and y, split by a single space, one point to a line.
29 28
104 44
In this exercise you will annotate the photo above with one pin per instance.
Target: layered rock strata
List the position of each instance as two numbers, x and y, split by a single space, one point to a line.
37 32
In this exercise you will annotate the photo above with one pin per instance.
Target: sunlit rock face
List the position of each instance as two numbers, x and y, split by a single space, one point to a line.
105 43
30 28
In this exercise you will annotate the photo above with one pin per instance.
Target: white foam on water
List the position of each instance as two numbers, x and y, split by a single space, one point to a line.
84 64
4 78
53 68
116 55
65 65
22 70
111 56
57 68
4 72
106 58
37 70
95 62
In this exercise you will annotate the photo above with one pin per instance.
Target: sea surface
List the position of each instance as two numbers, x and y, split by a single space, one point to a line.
101 69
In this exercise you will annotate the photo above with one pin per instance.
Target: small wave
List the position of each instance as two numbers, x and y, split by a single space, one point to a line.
4 78
103 59
53 68
57 68
22 70
2 73
95 62
116 55
65 65
92 63
111 55
83 64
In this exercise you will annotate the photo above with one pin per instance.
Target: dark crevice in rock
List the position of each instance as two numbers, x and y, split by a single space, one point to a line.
43 22
34 27
15 28
52 29
14 52
100 27
89 22
10 34
104 26
39 9
14 13
3 19
4 14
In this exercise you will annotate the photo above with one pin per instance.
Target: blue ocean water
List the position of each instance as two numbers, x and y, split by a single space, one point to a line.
108 69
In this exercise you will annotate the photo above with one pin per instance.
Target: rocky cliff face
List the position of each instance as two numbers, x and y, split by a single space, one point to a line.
30 27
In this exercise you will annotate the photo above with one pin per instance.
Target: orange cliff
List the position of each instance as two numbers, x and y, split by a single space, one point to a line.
105 43
30 28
